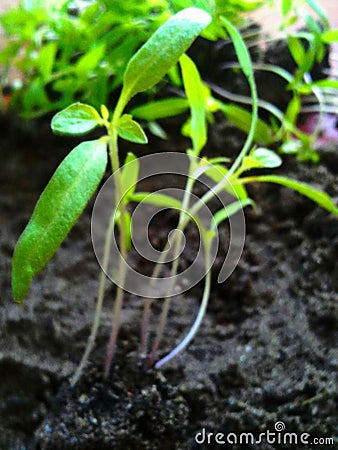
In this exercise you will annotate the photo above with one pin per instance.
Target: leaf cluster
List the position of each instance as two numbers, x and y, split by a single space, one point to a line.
67 53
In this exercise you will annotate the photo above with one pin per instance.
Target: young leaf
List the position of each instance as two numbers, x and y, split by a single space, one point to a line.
58 208
286 7
89 60
162 50
230 210
129 176
261 158
242 119
77 119
156 199
329 36
323 200
195 93
160 109
130 130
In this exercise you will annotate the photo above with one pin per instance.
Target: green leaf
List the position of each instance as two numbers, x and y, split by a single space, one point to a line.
129 176
156 199
230 210
329 36
297 50
58 208
195 93
162 50
240 48
127 226
262 157
320 197
90 60
77 119
45 60
293 109
242 119
286 7
130 130
160 109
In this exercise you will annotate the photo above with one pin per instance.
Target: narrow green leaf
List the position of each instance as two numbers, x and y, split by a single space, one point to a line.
156 199
286 7
293 109
130 130
241 50
195 93
230 210
77 119
46 60
242 119
320 197
297 50
90 60
330 36
58 208
160 109
129 176
127 226
162 50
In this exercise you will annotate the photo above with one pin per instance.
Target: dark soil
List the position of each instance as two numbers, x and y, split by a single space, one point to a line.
265 352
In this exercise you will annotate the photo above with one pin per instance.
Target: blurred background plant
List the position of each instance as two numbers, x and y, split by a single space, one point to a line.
77 50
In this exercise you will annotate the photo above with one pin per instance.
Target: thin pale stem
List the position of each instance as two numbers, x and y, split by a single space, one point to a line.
183 218
193 330
99 303
122 240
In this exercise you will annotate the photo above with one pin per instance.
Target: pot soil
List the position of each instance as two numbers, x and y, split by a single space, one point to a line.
265 352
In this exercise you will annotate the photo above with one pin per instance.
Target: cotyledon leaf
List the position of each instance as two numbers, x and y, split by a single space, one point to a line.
56 211
163 49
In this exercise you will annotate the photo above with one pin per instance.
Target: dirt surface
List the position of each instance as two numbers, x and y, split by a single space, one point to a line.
265 352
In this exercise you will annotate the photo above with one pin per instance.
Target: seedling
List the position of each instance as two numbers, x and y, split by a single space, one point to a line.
80 173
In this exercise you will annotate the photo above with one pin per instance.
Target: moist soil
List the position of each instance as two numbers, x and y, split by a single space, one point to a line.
265 352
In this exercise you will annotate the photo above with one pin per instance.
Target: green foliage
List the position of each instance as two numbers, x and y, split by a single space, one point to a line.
77 177
149 65
70 51
75 120
195 92
58 208
130 130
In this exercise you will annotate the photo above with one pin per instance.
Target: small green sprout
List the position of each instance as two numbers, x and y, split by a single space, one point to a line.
81 172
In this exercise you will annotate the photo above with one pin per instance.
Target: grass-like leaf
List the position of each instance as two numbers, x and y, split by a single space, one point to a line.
320 197
164 48
58 208
195 93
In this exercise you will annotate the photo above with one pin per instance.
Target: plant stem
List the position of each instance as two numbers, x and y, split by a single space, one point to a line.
173 271
115 162
193 330
99 303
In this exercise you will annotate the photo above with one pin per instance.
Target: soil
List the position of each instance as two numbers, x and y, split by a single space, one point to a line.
265 353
